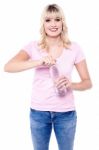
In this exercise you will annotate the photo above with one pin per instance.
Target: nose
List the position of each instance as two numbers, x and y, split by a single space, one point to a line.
53 23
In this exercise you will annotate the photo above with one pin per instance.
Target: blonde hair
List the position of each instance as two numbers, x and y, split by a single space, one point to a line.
54 8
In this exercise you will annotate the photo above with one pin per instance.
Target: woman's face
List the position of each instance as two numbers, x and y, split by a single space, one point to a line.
53 25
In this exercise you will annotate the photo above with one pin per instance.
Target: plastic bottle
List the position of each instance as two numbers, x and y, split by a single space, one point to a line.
54 75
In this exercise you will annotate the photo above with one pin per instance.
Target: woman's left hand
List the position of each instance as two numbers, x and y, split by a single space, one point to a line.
63 81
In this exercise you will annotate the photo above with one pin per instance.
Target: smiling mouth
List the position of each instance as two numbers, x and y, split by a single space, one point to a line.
53 29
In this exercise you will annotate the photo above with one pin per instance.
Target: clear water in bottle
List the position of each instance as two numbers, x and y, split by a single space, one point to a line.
54 75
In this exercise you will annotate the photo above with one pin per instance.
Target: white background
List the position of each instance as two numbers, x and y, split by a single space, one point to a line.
19 24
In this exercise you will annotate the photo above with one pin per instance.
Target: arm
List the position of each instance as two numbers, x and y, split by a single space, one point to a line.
20 62
85 82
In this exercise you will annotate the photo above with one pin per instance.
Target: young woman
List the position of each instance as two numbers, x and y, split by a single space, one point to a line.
48 109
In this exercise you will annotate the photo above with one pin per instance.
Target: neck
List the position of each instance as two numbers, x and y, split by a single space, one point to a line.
53 41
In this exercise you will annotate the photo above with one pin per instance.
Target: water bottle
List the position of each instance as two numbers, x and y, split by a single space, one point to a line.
54 75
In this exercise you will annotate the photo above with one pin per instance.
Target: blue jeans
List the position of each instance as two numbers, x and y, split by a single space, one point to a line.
63 123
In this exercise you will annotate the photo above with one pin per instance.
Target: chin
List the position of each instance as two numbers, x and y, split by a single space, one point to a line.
54 35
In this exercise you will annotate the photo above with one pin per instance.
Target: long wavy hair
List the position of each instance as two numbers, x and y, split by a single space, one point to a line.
57 10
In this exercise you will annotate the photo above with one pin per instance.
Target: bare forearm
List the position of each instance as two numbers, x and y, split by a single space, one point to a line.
81 86
21 66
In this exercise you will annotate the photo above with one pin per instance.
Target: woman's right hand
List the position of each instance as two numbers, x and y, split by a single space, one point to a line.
47 61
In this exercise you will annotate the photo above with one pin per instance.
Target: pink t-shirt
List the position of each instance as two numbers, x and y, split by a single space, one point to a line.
43 96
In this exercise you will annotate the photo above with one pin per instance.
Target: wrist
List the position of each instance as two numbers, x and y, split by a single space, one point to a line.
39 62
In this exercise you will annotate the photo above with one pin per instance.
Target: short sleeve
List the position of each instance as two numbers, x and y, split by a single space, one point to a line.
28 48
79 55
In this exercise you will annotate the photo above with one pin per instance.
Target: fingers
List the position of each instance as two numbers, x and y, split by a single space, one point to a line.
48 60
62 81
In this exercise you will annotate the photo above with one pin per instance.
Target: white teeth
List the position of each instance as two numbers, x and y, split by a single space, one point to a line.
53 29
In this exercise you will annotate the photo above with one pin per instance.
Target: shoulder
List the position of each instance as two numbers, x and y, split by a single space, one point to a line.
31 44
77 51
30 47
75 46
